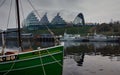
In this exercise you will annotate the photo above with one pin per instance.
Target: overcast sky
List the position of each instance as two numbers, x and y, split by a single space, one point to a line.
98 11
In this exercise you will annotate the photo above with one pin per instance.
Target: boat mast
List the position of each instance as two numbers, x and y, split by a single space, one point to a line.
18 22
3 43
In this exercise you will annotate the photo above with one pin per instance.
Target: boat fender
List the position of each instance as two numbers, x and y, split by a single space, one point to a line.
16 57
0 59
3 58
12 57
38 48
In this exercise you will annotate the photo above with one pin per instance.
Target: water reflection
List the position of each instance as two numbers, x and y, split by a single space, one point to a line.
83 58
79 58
79 50
104 49
26 44
91 58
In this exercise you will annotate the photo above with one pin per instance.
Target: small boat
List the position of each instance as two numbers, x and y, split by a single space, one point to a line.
102 38
67 37
98 38
74 38
43 61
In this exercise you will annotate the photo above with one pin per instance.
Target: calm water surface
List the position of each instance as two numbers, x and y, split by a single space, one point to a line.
84 58
93 58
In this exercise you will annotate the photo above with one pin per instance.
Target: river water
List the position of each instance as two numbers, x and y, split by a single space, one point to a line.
91 58
83 58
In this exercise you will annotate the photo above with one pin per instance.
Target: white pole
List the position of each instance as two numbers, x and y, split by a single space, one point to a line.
3 43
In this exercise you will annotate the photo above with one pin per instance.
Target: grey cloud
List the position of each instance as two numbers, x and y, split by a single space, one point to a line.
93 10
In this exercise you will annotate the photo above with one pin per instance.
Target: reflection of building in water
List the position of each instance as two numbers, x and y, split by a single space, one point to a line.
109 49
69 44
99 44
118 58
79 58
114 58
103 44
111 57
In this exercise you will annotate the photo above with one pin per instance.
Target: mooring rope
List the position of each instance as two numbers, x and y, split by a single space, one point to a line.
7 27
54 58
56 40
42 64
10 68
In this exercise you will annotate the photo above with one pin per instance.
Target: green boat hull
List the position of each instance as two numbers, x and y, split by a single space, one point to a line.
47 61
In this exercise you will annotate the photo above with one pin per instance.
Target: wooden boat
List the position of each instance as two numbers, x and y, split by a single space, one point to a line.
43 61
47 61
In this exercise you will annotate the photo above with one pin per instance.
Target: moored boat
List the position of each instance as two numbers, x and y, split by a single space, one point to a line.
74 38
47 61
102 38
43 61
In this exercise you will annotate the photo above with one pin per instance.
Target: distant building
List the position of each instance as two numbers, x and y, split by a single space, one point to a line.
31 22
44 20
12 33
58 20
79 20
1 30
